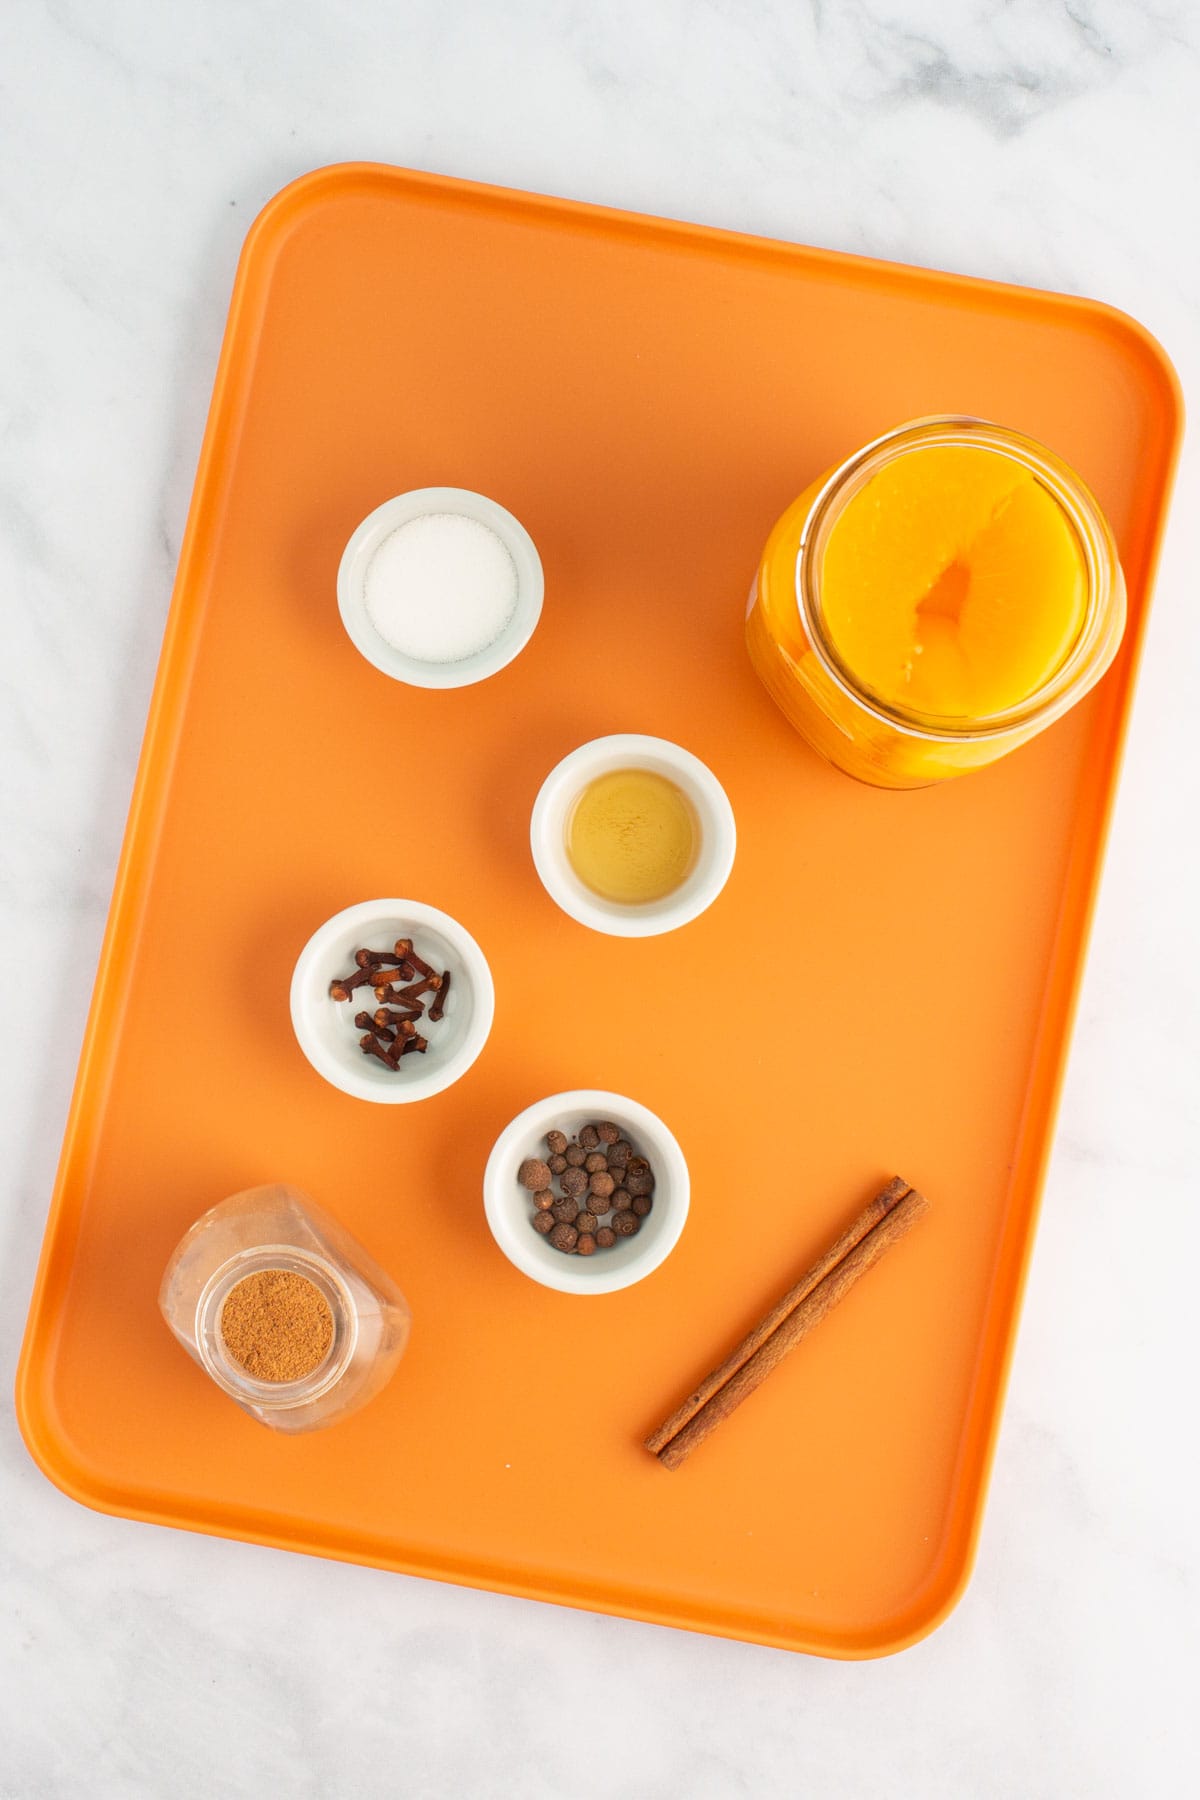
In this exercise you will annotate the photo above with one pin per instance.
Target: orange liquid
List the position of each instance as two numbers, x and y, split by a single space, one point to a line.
953 585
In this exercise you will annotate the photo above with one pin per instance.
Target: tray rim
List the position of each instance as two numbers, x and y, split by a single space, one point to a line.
150 794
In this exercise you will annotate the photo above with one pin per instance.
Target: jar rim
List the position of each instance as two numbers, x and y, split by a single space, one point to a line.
1075 499
237 1382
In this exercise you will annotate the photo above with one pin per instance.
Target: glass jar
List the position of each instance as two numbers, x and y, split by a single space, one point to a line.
279 1228
879 741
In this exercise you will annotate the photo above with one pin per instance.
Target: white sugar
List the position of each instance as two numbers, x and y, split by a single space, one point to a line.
441 588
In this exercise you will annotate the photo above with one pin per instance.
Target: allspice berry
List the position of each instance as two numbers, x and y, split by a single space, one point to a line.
583 1180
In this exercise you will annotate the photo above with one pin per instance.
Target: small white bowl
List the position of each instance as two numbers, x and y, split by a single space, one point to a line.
389 517
325 1028
510 1209
548 835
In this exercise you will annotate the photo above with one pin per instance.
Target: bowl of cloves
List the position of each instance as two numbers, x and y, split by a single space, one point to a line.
392 1000
586 1191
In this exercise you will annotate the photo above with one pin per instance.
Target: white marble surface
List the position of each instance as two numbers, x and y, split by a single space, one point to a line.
1054 144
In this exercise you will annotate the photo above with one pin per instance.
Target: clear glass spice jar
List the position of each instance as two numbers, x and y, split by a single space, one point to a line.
277 1228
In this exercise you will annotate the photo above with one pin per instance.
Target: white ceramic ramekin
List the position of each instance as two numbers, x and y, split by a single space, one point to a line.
325 1028
510 1209
414 505
548 835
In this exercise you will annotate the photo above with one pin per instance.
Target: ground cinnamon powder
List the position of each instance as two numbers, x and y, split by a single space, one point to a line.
276 1325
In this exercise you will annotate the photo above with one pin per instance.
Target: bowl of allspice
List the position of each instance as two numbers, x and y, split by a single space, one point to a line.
586 1191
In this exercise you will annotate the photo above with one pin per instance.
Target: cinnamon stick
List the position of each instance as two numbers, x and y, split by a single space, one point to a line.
881 1224
868 1218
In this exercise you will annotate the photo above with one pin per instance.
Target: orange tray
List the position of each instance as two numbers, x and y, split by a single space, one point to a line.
886 983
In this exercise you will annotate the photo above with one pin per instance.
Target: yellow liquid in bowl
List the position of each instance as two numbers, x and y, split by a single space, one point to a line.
632 836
